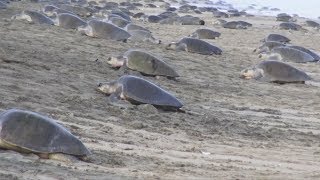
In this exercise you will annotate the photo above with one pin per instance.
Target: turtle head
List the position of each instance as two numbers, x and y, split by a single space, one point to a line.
49 10
270 56
251 73
171 46
85 30
263 54
55 19
107 88
22 16
116 62
261 50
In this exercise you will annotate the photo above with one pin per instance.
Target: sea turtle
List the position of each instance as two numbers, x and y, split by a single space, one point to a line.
189 20
118 21
276 37
267 46
69 21
313 54
234 25
275 71
194 46
3 5
138 15
220 14
29 132
143 62
131 27
121 14
290 26
286 53
313 24
169 20
78 10
154 19
48 9
109 5
141 35
245 24
284 17
100 29
139 91
149 5
51 10
186 8
168 14
205 34
219 21
34 17
171 9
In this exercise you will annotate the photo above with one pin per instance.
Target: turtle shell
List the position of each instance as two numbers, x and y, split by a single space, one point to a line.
200 46
145 92
148 64
38 133
276 71
277 37
206 34
108 31
314 55
38 17
292 54
70 21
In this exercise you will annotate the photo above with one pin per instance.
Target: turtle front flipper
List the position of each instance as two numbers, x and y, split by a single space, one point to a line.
62 157
182 47
124 69
115 100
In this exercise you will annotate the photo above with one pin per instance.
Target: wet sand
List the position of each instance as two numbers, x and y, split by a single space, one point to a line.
240 129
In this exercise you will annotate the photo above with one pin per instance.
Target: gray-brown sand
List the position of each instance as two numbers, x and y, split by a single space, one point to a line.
240 129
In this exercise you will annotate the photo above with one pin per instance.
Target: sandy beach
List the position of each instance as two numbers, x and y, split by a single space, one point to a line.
239 129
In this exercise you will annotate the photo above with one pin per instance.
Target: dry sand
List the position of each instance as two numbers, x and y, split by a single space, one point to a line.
240 129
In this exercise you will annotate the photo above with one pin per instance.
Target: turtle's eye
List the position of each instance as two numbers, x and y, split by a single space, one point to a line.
109 58
99 84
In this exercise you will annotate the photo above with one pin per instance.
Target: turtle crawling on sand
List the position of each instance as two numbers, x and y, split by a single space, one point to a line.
194 46
205 34
291 26
100 29
234 25
143 62
68 21
143 36
34 17
139 91
29 132
287 53
277 38
275 71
